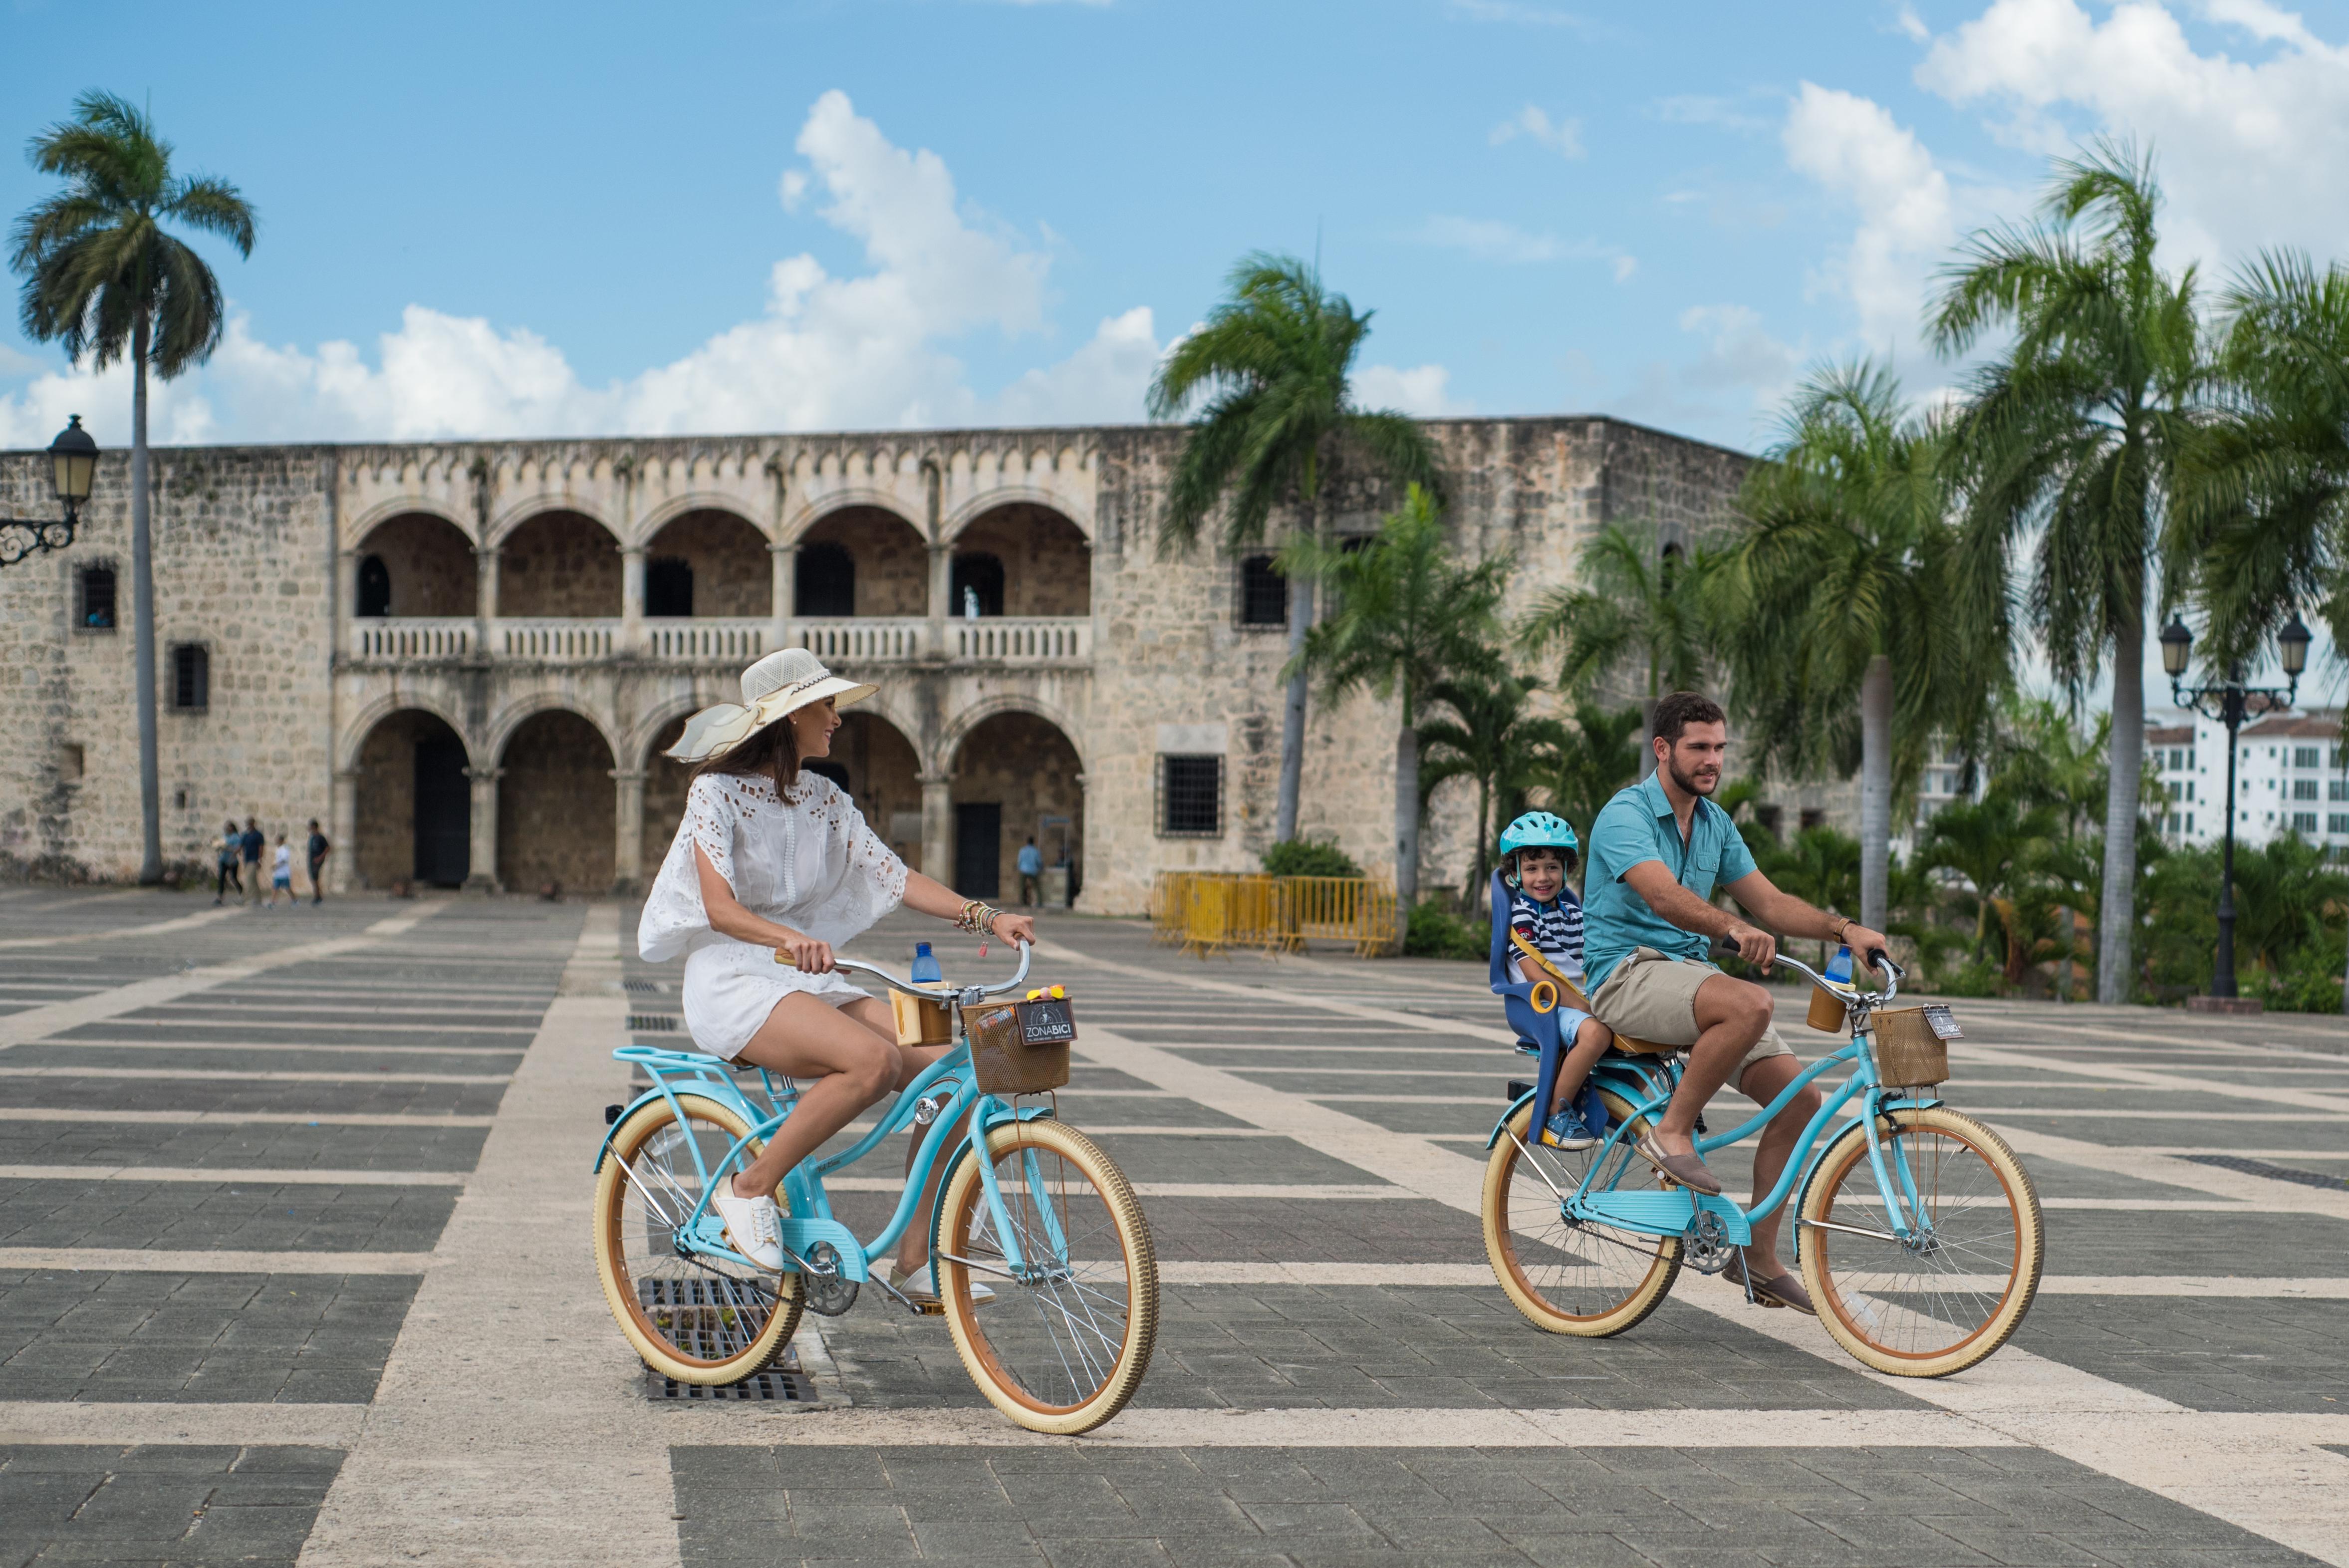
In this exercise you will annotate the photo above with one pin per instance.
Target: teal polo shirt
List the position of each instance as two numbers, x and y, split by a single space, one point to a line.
1638 825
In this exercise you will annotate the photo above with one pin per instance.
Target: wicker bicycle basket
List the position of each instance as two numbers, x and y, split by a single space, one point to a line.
1019 1047
1912 1045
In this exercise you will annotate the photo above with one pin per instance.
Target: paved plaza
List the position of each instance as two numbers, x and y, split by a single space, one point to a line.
294 1267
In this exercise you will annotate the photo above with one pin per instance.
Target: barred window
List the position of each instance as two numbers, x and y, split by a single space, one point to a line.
94 609
2304 822
192 678
1190 797
1264 593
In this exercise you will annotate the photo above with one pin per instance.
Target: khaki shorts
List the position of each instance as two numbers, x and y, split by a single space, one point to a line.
1652 997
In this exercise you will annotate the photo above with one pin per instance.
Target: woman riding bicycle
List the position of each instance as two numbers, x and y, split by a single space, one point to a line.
771 868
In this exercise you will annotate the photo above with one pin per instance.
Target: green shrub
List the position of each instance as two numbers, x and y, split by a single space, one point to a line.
2311 983
1308 858
1436 933
1976 979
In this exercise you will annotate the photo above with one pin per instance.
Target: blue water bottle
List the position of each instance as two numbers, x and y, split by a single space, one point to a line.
1838 967
927 971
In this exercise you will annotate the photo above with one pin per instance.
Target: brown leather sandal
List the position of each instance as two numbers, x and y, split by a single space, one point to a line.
1784 1290
1685 1168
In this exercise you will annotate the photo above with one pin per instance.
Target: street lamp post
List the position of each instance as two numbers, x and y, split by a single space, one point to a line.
2230 702
72 468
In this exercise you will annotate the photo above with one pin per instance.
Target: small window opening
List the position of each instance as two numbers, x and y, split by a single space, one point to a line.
1264 593
375 588
95 612
976 583
1191 797
69 764
192 678
826 582
669 586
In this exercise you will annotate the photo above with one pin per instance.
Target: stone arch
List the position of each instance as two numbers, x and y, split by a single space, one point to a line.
1044 559
852 498
521 511
558 562
413 804
959 728
721 557
676 507
993 495
358 526
1016 774
426 562
522 711
556 804
355 734
891 562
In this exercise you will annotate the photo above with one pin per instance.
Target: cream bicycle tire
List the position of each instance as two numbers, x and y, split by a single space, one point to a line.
990 1339
706 1295
1532 1289
1847 1292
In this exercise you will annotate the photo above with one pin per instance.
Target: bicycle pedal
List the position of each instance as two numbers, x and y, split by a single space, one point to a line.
928 1308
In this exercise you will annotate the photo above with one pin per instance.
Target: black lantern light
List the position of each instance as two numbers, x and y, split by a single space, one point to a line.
2176 647
2294 640
73 472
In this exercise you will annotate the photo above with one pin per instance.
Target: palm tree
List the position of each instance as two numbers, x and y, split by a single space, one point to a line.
1493 740
1834 602
1406 617
1581 770
2069 446
103 277
1274 362
1989 843
1637 607
2042 758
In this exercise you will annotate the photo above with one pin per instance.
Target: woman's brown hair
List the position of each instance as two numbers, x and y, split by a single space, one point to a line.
773 753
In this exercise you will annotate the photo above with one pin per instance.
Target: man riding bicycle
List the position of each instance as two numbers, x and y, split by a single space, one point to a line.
1658 850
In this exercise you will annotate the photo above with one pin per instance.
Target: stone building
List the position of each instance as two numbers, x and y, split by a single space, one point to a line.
466 658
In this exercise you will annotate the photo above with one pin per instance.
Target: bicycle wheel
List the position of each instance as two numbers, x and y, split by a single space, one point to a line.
1571 1277
1068 1334
695 1319
1927 1309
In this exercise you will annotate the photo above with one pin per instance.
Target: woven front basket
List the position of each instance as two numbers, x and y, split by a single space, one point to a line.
1912 1046
1019 1047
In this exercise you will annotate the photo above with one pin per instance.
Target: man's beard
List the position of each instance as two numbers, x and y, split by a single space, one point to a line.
1688 786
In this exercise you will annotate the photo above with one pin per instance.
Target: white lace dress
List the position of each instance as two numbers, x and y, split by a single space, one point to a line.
808 863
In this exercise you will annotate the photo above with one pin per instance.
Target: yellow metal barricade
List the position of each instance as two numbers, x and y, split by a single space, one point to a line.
1214 912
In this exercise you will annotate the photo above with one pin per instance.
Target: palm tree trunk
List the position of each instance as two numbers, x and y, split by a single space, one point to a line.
2117 920
142 589
1477 851
1406 838
1876 792
1292 712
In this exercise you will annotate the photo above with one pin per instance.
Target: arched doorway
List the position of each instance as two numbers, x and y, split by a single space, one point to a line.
414 809
1016 777
416 564
884 779
559 563
867 557
709 563
1037 561
666 780
556 805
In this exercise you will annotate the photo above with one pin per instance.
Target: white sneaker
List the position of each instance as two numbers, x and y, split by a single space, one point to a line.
750 1225
922 1287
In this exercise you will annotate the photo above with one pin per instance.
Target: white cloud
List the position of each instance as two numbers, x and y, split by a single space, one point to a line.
1908 219
1701 109
1563 136
2250 150
861 351
1491 240
1739 377
1424 390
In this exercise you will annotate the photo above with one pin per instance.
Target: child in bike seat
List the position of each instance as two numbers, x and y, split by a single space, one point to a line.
1537 849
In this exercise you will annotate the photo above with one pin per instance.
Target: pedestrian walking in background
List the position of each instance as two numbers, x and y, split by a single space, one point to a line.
281 872
317 850
251 843
232 845
1031 866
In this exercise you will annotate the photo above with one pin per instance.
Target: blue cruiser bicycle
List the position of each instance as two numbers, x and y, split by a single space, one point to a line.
1028 1206
1918 1233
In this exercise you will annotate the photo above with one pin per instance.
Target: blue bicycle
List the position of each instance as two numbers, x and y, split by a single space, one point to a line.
1028 1205
1918 1233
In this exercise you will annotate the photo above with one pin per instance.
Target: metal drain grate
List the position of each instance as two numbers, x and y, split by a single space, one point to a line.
642 987
2273 1172
774 1386
652 1024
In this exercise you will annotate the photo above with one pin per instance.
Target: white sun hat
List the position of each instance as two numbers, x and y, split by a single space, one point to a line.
779 684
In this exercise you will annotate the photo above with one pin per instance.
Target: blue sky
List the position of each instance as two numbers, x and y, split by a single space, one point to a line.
582 219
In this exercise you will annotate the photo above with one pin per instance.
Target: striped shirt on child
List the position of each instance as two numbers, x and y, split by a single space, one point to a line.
1554 930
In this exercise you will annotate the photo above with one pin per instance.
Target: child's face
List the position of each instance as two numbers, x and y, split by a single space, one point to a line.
1541 873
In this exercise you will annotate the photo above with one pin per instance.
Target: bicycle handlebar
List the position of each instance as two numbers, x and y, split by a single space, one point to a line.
1877 959
938 994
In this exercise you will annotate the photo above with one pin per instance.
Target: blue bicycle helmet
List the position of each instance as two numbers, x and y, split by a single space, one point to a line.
1537 829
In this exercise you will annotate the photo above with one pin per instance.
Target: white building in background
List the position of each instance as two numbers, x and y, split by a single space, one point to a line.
2289 778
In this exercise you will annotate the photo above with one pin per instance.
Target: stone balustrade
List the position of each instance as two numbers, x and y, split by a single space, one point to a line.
711 640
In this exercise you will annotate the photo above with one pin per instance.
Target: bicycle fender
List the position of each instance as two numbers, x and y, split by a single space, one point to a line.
657 1092
1502 1126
